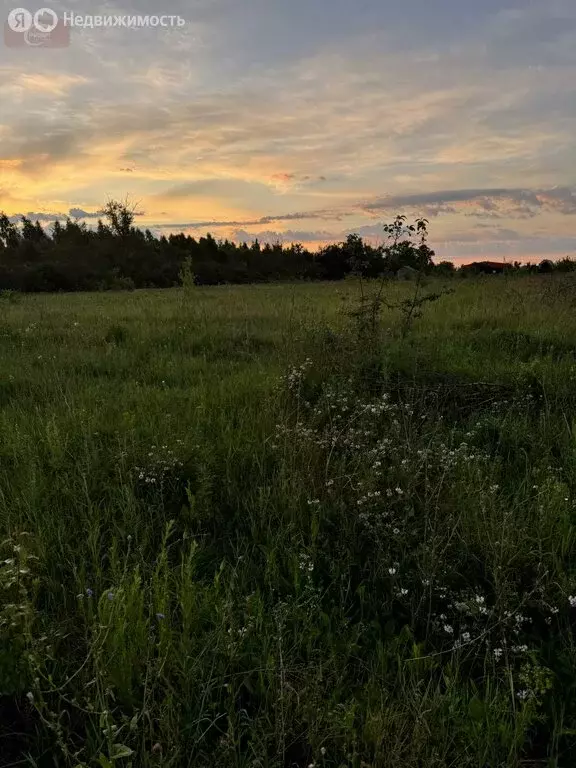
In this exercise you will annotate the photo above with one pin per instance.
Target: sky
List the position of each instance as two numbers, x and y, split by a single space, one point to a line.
305 120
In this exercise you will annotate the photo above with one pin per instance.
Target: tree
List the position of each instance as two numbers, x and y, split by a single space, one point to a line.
9 235
546 266
115 253
120 217
566 264
445 268
32 233
332 262
402 250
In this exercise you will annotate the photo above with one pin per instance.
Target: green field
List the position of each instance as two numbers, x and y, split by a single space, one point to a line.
237 532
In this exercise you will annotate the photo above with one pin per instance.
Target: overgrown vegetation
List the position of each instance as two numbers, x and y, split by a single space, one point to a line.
117 255
242 530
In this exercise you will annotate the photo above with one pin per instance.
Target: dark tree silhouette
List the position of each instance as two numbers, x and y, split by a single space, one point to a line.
116 254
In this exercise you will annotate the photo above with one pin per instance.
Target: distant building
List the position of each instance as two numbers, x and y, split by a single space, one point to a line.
486 267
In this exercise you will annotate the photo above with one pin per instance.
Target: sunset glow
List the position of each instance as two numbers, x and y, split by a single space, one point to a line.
307 120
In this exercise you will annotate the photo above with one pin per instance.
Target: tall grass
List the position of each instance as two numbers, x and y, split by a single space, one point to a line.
237 534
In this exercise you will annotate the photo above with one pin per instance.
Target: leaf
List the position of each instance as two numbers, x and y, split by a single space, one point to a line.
417 649
476 709
121 750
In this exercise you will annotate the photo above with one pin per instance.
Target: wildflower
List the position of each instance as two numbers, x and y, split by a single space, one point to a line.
572 601
498 653
89 593
523 695
160 616
449 629
110 595
391 571
322 751
466 637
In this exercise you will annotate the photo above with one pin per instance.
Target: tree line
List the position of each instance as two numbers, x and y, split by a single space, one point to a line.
116 254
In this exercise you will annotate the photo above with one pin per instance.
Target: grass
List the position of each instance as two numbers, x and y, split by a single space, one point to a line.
236 534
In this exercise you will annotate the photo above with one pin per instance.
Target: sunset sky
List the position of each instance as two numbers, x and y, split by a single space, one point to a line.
306 120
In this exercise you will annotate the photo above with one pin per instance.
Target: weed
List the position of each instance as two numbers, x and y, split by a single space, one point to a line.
261 535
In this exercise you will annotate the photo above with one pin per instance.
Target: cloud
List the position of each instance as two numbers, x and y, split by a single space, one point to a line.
79 213
370 232
223 188
492 203
461 112
332 215
284 177
287 236
42 216
482 203
74 213
53 84
294 179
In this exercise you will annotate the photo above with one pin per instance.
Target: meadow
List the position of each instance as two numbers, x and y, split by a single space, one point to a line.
241 529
